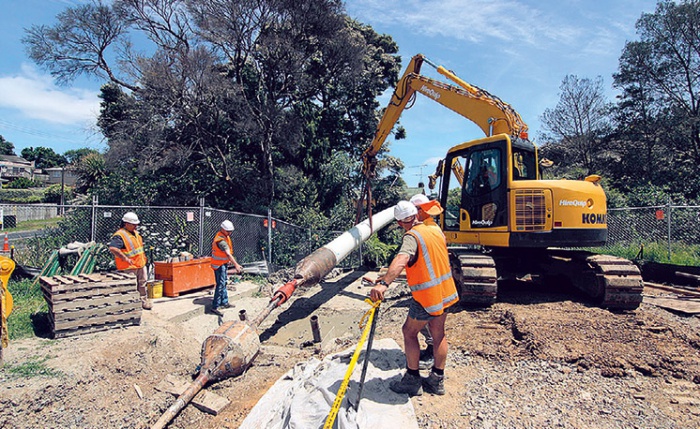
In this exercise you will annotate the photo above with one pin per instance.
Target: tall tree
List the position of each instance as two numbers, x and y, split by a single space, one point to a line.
575 128
659 76
237 96
43 157
74 155
6 148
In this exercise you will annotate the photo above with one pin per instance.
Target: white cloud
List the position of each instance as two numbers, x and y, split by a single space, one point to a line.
470 20
37 97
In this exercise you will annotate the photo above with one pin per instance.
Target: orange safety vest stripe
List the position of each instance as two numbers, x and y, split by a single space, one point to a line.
218 256
430 277
133 248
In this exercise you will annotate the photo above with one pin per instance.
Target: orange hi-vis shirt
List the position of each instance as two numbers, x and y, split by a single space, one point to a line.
133 248
218 256
430 277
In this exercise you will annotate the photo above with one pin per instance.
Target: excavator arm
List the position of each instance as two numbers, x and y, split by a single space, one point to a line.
487 111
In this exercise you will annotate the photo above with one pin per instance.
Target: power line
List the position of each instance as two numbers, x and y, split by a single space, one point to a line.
37 133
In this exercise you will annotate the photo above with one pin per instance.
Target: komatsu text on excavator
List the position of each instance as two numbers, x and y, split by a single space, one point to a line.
503 221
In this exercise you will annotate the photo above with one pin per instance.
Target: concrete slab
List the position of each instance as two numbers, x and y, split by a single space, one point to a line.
338 303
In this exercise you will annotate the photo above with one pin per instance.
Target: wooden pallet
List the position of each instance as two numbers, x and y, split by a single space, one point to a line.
86 303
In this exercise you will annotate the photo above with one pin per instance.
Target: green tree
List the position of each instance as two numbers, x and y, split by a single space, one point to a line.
237 100
90 170
659 109
74 155
43 157
6 148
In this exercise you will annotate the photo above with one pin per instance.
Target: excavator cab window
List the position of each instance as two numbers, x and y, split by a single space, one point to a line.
483 169
524 167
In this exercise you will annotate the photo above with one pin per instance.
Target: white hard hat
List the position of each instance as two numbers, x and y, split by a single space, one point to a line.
419 199
404 209
227 225
130 217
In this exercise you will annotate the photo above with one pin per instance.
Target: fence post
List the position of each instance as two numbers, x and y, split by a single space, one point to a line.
201 226
93 228
668 224
269 236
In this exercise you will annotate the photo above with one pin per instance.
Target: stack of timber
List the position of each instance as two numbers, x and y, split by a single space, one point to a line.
91 302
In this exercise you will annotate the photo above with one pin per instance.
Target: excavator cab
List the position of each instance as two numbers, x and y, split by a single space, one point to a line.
492 164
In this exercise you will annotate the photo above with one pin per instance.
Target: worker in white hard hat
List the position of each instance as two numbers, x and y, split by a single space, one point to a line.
127 247
221 257
423 254
426 210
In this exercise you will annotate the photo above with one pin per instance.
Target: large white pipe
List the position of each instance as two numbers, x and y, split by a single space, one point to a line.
315 266
351 239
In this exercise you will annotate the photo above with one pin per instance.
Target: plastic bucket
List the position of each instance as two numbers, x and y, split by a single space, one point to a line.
155 289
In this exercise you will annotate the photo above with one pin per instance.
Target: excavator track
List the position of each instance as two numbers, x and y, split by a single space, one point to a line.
475 277
614 283
618 280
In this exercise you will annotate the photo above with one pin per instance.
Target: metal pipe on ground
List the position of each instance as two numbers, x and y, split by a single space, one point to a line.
315 329
231 349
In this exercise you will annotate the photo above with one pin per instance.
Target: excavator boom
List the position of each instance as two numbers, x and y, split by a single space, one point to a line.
487 111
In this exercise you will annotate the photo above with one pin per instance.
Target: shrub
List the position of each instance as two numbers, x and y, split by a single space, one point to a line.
22 183
21 196
52 194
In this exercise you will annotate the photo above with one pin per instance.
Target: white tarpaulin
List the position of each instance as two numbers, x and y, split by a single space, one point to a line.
303 397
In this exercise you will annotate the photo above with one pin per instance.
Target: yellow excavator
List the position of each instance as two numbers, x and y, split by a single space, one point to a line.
503 221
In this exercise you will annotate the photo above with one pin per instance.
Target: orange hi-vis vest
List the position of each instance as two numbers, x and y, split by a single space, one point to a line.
218 256
430 277
133 248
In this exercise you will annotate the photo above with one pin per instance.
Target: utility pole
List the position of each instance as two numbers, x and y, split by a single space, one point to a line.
63 186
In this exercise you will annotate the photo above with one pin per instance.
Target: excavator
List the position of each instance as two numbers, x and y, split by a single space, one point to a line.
501 219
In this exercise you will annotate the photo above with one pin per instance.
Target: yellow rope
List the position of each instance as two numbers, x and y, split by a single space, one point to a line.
348 373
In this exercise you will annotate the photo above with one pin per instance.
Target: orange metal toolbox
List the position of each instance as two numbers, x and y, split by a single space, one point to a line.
184 276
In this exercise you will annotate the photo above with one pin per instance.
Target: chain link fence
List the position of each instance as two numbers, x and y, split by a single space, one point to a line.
167 231
665 233
671 233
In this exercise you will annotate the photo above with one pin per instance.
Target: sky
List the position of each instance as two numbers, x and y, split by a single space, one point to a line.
517 50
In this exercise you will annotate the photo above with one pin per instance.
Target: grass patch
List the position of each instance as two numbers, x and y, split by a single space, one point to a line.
681 254
35 224
32 367
29 306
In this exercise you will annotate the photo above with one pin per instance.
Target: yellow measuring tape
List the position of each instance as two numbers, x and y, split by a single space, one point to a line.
344 386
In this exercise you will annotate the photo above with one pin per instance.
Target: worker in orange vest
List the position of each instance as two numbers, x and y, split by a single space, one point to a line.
127 247
423 254
221 256
427 208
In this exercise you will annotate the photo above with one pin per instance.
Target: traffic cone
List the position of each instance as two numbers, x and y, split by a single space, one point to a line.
6 245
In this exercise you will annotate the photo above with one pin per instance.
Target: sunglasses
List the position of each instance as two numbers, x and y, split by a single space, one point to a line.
407 220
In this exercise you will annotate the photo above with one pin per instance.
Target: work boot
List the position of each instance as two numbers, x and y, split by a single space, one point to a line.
426 359
146 303
410 384
434 384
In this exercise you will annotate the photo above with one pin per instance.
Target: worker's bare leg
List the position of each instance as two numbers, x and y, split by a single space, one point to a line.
437 329
410 330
